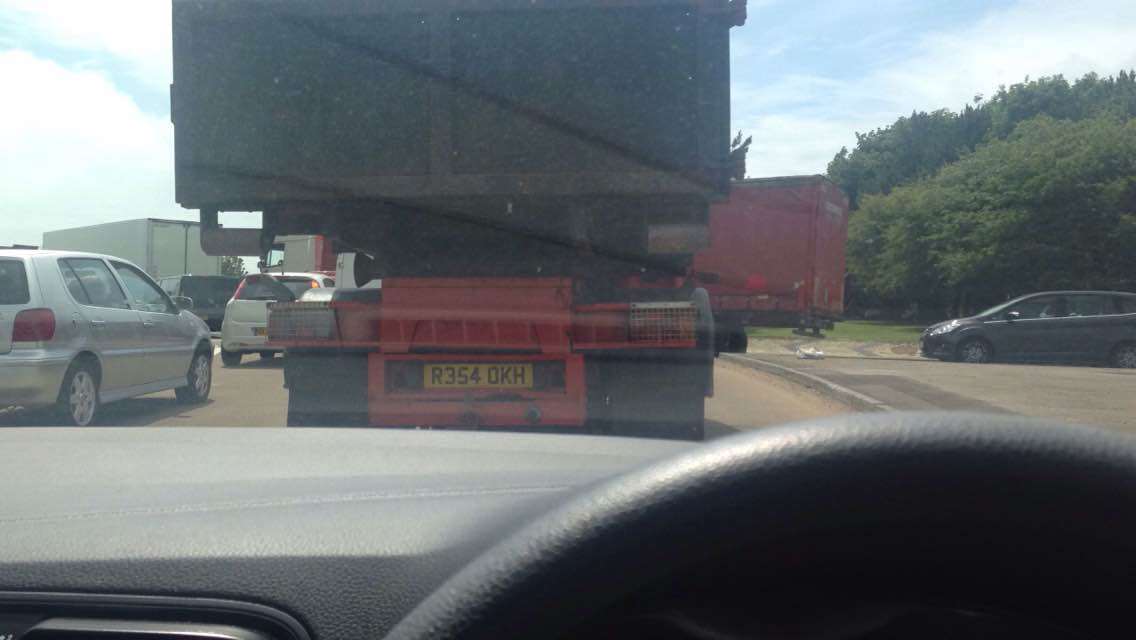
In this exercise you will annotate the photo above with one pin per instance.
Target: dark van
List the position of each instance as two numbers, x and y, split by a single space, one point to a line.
209 295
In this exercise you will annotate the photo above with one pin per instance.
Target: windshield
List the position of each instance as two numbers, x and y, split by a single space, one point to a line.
676 219
298 285
263 287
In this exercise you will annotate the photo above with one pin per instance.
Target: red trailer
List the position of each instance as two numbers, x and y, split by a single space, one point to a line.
776 256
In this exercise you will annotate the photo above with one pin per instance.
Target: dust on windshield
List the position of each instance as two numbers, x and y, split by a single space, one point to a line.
664 219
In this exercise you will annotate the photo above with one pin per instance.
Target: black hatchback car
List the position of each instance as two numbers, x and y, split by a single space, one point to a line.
1053 326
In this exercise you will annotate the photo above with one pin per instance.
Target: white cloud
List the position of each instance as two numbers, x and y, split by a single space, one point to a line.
74 150
785 145
1032 39
800 122
133 32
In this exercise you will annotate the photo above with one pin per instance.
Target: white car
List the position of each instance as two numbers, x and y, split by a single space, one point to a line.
80 329
245 328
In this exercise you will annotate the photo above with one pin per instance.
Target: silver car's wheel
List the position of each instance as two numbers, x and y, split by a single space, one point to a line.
201 374
84 400
1124 356
975 351
200 379
78 402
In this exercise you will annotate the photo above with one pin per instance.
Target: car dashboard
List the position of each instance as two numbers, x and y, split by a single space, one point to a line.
340 531
293 534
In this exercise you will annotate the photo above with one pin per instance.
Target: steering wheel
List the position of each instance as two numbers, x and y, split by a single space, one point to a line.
1004 514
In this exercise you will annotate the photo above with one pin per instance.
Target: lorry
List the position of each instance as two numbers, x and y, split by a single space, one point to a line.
529 180
302 253
776 257
161 247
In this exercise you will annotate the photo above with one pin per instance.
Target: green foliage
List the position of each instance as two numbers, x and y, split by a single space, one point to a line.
738 150
233 266
1053 205
914 147
917 146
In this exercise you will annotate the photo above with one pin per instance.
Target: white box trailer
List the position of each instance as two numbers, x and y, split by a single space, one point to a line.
161 247
301 253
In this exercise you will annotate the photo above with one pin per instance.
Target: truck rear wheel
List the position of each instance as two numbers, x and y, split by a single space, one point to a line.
739 340
730 338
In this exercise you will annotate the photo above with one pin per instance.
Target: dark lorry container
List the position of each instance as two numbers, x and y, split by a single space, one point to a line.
472 112
776 256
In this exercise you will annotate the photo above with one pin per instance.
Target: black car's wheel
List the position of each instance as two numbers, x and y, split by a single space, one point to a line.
200 379
230 358
1124 356
975 351
78 401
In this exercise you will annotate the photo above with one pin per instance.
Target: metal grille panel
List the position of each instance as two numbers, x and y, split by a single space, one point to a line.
300 321
663 322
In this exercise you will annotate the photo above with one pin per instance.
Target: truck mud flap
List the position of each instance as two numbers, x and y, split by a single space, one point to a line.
658 394
326 390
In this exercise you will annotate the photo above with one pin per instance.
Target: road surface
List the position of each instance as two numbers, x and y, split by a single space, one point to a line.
746 399
1085 395
252 395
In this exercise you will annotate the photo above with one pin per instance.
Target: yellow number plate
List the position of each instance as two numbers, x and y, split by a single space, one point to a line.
260 331
478 376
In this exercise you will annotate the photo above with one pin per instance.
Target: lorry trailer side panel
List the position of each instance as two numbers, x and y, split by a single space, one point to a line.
777 250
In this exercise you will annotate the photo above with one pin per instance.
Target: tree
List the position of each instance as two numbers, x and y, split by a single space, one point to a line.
915 147
233 266
1051 206
738 150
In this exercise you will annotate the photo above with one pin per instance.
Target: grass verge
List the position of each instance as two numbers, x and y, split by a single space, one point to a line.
853 330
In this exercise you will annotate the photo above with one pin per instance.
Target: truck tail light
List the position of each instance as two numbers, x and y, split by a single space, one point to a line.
663 322
301 321
33 325
757 282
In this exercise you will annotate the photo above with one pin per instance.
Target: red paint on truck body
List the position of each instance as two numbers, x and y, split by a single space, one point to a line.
532 322
777 249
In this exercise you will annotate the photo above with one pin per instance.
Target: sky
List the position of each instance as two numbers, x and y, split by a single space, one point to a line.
85 133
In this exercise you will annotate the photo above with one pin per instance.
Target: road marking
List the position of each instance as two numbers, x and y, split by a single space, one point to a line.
832 387
216 351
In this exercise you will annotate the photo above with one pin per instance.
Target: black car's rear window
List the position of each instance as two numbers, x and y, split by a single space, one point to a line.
209 291
13 282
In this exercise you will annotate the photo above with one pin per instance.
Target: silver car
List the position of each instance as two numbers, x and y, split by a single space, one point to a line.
78 330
